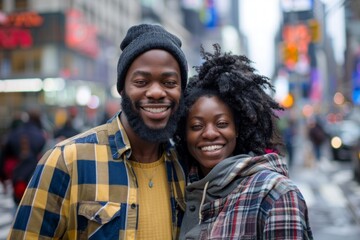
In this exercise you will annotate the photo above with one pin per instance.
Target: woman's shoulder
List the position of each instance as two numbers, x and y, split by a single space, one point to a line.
267 180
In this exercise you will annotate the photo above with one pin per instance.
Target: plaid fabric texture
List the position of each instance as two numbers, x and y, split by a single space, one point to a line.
84 188
264 205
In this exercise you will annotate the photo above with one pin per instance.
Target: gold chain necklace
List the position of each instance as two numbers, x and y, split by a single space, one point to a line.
150 179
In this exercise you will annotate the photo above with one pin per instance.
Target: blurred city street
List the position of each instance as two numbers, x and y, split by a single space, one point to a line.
329 188
333 197
58 63
333 208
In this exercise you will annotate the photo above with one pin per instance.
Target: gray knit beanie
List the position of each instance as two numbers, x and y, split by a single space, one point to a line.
142 38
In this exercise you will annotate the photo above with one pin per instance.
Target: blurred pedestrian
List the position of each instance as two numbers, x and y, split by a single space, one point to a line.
25 144
65 131
111 108
119 180
289 134
235 189
317 136
68 129
8 156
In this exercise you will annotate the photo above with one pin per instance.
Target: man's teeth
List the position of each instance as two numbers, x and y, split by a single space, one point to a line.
211 148
155 110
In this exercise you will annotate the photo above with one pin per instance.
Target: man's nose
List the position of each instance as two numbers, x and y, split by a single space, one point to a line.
156 91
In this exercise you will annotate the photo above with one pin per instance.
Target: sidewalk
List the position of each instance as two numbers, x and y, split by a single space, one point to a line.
329 188
7 211
351 190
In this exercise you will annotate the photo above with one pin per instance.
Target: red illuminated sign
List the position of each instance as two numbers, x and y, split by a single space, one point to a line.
81 35
15 37
24 19
15 29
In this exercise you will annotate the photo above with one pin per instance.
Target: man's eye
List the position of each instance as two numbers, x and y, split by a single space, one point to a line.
171 84
140 82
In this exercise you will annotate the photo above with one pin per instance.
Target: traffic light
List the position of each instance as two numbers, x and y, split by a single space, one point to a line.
290 54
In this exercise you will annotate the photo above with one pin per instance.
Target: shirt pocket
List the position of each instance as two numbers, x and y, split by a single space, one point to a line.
97 215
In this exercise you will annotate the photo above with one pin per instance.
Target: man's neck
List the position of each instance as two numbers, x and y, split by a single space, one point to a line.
142 150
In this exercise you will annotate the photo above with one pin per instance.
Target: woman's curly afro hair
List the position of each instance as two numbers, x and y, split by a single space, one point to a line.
232 79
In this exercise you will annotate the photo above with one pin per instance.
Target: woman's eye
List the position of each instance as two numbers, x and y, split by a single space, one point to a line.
222 124
196 127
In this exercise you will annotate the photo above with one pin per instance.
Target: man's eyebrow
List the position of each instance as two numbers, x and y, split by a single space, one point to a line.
148 74
170 74
141 73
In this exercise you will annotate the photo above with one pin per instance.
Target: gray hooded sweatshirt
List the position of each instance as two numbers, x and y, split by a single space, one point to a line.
245 197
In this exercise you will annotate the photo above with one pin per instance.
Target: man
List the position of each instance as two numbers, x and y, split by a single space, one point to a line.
120 180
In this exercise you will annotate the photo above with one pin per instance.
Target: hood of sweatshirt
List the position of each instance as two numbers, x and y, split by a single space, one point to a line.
223 178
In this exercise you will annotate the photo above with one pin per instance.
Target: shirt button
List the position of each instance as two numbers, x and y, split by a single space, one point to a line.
192 208
133 205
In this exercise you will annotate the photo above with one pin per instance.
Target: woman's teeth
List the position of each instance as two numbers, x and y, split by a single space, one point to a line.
211 148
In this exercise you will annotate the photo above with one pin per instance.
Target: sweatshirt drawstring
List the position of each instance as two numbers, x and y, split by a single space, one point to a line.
202 201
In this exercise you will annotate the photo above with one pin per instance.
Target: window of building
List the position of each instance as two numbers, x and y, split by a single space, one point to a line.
18 60
21 5
68 60
26 61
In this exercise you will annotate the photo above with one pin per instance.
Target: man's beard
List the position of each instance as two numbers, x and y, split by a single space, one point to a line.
142 130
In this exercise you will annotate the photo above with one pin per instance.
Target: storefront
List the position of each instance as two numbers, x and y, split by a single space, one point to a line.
51 60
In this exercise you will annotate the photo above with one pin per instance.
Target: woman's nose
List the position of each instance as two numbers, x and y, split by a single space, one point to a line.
210 132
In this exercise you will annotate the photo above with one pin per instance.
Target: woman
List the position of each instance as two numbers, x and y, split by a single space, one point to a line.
238 186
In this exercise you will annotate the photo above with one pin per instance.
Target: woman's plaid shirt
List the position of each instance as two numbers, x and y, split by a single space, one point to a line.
84 188
246 198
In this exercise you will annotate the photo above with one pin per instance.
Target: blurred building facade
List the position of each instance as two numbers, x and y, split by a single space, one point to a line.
352 54
304 59
306 55
213 21
64 53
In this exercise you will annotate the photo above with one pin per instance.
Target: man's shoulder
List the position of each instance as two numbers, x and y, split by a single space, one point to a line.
96 135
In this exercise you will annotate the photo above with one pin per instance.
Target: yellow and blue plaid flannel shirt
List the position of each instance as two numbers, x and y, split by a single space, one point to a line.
85 188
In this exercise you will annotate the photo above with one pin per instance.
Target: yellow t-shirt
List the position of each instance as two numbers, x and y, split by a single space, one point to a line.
154 200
